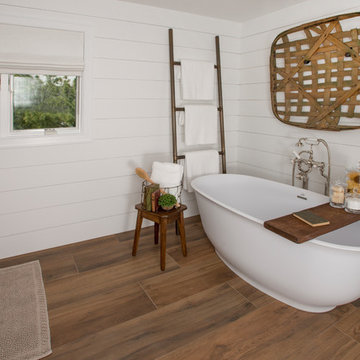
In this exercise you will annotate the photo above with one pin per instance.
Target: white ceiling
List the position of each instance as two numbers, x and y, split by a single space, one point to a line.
235 10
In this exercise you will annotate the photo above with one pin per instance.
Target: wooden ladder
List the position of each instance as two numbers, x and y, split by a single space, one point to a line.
174 108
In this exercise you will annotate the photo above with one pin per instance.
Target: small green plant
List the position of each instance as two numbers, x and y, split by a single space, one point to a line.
167 200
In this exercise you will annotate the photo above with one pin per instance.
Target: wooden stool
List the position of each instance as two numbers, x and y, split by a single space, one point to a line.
161 218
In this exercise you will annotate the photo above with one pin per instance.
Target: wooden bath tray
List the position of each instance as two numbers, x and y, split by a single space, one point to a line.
297 231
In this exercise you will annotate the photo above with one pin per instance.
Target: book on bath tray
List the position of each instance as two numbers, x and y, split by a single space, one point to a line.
310 218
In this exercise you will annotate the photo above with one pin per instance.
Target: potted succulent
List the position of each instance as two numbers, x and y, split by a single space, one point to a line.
167 201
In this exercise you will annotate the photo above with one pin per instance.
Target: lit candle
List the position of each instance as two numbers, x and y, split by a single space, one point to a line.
337 195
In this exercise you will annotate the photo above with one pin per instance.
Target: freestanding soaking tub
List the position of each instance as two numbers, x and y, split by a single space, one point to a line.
313 276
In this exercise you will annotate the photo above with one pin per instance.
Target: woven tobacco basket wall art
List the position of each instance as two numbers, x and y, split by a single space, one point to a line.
315 74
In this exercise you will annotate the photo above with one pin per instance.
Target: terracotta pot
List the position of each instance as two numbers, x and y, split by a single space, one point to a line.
167 208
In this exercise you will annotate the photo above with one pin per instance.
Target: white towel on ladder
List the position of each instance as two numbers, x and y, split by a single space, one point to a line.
197 163
197 80
201 124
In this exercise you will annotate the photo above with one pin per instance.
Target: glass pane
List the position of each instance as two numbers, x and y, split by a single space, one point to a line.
44 101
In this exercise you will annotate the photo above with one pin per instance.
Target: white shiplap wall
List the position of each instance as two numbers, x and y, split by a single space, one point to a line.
52 195
57 194
264 143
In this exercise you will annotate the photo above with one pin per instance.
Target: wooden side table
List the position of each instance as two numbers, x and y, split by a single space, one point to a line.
161 218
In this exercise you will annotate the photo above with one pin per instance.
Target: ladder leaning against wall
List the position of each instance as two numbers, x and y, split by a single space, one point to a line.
175 109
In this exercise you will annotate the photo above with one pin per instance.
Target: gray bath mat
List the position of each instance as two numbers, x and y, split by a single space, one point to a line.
24 324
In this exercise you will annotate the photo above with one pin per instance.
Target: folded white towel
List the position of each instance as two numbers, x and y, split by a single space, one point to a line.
166 174
197 163
197 80
200 124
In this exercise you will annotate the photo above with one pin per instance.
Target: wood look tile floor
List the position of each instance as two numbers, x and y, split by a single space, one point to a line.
105 304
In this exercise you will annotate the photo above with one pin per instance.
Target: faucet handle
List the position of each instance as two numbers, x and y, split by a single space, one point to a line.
296 154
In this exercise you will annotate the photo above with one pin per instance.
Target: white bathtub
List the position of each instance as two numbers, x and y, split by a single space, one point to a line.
314 276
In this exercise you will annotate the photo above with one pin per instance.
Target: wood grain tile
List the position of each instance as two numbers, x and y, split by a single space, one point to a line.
233 340
330 344
352 352
350 324
255 296
57 266
301 329
248 338
154 334
97 281
196 250
97 312
54 265
341 311
178 284
99 253
104 311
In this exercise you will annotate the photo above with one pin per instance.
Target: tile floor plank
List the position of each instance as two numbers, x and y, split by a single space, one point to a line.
167 288
154 334
104 279
350 324
257 297
196 250
94 313
102 305
329 345
247 338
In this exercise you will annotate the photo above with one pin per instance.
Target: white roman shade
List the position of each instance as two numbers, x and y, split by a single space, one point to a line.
28 49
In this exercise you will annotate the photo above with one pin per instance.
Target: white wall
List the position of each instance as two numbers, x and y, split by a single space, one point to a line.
52 195
58 194
264 143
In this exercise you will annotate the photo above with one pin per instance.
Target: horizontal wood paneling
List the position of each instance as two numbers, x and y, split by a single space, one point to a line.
265 144
131 118
82 190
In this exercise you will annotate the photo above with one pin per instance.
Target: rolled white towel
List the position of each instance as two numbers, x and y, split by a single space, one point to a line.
167 174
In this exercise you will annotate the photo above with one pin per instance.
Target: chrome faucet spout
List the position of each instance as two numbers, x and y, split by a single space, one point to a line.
304 161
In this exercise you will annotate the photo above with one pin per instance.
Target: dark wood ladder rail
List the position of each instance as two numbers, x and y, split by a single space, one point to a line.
174 108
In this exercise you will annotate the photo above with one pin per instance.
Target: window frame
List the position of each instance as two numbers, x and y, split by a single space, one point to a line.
43 131
85 102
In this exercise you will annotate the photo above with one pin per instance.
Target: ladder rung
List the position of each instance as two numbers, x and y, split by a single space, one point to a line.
183 109
179 64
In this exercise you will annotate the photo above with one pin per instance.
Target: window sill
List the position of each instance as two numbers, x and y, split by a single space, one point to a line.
29 141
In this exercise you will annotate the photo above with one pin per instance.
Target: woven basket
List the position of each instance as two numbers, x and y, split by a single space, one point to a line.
315 71
174 190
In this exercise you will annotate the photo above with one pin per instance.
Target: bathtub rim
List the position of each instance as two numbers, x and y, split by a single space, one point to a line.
261 222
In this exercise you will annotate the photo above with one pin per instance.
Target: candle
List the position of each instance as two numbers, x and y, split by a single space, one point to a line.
337 195
353 204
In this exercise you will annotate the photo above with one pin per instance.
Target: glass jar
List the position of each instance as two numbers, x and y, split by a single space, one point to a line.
337 194
352 202
353 179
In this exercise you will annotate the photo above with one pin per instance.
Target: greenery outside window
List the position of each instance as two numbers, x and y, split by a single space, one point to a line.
42 74
48 103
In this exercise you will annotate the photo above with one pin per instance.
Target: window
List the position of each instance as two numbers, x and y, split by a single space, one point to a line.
43 102
41 74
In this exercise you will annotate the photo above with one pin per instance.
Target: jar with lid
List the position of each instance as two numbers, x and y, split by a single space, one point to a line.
337 194
352 202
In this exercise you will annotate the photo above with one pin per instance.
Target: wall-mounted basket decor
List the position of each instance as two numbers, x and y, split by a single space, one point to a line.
315 74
